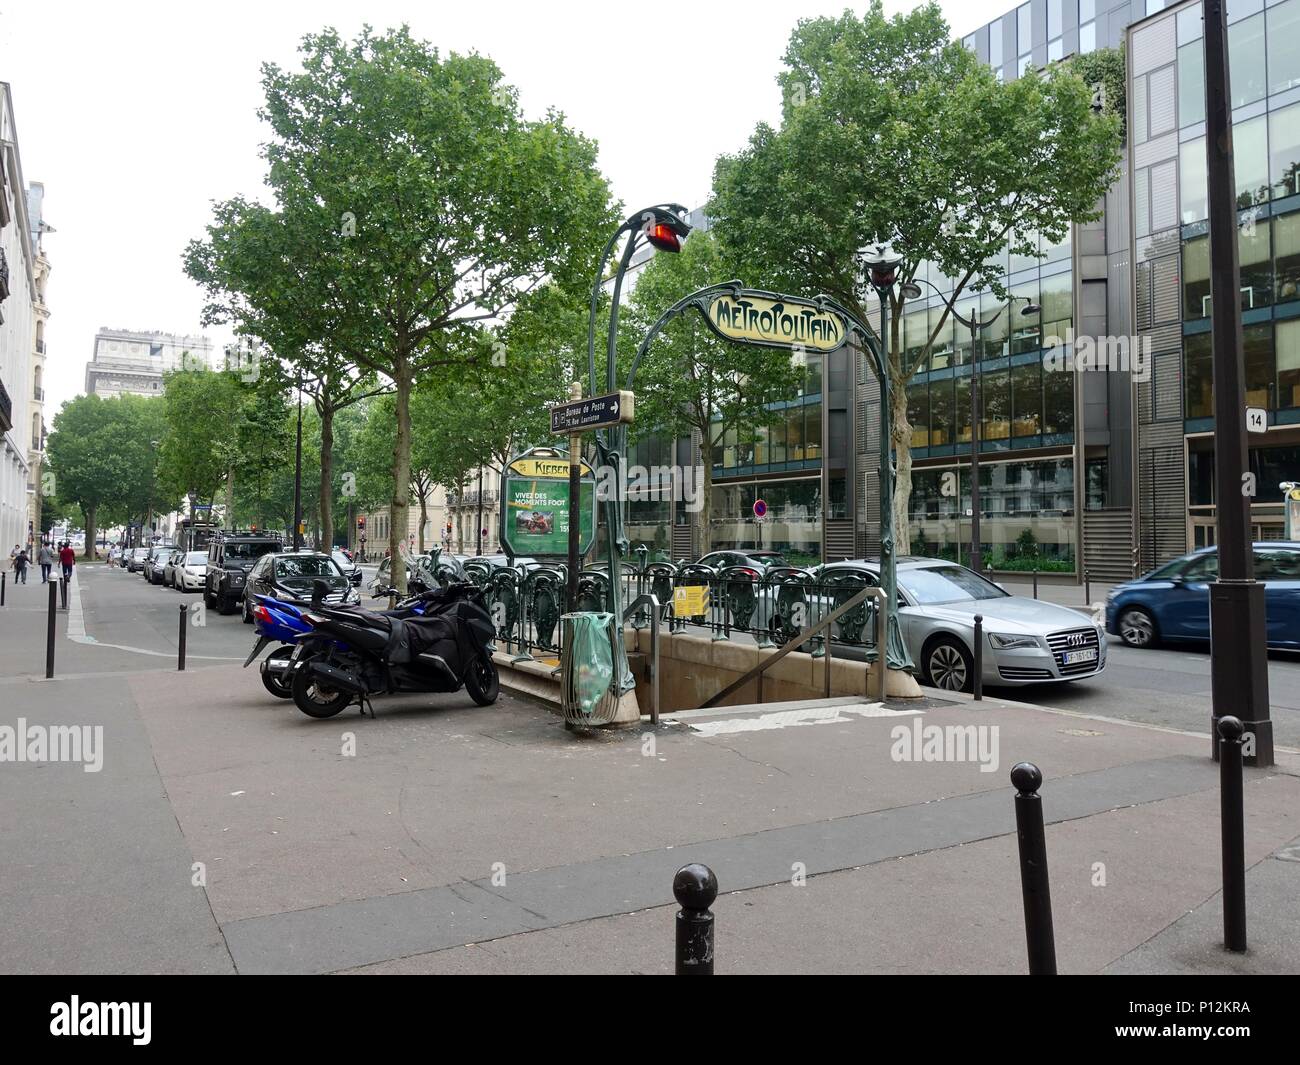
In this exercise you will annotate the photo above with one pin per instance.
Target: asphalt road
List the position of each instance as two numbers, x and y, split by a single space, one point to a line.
1168 686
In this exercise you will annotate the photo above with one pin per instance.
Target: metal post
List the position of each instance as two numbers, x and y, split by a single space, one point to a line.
888 566
976 549
479 550
1035 581
1039 936
882 660
63 592
1087 588
3 578
49 634
977 681
695 888
1231 814
180 647
297 479
1238 651
575 505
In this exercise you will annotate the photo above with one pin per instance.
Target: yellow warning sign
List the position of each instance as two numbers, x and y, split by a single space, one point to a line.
691 600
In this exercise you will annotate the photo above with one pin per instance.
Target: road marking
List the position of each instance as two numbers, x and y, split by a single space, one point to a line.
77 632
815 715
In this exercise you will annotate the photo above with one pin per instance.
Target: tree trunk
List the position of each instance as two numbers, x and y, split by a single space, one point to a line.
424 514
902 440
89 553
704 517
326 478
230 498
399 509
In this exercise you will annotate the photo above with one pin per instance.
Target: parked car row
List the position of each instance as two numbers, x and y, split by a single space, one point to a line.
237 564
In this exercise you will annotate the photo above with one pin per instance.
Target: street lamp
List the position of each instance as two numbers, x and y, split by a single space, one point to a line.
976 325
881 264
664 227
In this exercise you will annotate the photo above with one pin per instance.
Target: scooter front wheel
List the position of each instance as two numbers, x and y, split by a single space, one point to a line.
315 699
483 682
276 681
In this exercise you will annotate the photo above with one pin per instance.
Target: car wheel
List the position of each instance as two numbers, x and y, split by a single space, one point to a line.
245 612
1137 627
224 604
948 665
209 600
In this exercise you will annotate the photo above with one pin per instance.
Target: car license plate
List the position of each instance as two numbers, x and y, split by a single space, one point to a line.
1072 658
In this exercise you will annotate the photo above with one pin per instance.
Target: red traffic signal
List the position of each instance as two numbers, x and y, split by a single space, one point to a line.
663 237
361 522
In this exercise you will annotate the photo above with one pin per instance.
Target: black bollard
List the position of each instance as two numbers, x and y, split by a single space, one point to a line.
1232 815
3 577
695 887
977 681
49 634
180 646
1035 582
1087 589
1039 937
63 592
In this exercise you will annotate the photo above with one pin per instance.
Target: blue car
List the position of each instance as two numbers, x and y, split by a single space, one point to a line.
1172 603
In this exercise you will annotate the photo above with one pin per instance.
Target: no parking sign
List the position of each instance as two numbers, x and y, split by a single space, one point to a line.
760 508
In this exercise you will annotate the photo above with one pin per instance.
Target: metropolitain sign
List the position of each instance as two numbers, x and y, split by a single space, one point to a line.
777 321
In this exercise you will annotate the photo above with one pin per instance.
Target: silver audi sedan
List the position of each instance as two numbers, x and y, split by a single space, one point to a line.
1026 641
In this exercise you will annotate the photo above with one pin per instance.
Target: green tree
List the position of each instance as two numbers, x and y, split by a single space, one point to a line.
103 456
260 270
893 131
690 381
444 204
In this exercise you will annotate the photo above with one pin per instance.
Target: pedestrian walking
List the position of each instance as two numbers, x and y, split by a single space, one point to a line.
20 566
67 559
45 559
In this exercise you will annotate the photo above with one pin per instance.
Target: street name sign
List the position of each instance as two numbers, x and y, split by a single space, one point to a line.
596 412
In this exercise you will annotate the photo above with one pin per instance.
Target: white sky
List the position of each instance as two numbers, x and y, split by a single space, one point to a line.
137 115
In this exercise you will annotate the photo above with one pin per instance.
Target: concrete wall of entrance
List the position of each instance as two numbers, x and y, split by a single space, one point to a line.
693 668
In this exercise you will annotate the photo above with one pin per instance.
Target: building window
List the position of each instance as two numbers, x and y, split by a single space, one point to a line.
1196 278
1058 308
941 349
1284 151
1286 252
918 412
1026 329
1261 366
1198 376
1193 196
1246 60
1288 363
1058 401
1283 56
993 338
1250 156
1024 28
1087 38
995 44
1191 83
1026 400
995 408
1256 259
941 412
961 410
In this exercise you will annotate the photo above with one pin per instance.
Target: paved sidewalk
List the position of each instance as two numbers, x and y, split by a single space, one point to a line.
440 836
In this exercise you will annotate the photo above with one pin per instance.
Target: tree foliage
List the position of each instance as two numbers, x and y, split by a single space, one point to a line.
431 204
893 131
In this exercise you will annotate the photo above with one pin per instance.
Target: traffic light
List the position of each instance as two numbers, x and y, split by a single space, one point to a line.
663 237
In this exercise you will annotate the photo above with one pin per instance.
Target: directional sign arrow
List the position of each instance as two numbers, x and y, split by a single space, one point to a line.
597 412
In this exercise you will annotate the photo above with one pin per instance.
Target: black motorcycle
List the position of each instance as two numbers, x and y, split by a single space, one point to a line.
354 654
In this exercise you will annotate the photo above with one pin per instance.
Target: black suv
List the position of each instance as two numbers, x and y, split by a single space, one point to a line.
230 557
